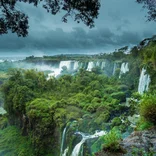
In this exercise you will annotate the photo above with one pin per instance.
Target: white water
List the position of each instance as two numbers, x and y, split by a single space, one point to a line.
90 66
103 65
2 111
56 71
1 61
76 65
144 81
63 139
77 148
98 64
65 152
124 68
65 63
114 69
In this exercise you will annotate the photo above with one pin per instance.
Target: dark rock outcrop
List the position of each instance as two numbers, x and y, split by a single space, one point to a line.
139 143
142 141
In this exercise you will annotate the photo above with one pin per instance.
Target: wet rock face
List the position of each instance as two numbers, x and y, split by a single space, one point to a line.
141 140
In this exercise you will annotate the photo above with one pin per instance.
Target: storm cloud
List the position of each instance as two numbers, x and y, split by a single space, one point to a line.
120 23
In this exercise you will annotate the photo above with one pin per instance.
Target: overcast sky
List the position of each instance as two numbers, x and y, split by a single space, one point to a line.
120 23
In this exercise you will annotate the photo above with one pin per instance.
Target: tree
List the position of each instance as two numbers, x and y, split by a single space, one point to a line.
13 19
151 6
81 10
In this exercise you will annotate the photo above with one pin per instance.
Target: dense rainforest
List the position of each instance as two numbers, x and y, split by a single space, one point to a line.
88 108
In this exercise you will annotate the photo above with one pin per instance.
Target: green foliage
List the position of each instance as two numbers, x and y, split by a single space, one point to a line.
38 108
3 121
97 70
123 88
40 125
116 121
42 107
103 117
143 124
136 95
80 11
142 152
97 145
111 141
149 56
12 143
148 108
109 90
120 96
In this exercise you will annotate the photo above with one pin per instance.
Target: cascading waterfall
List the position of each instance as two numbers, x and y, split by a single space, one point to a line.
77 148
76 65
81 65
103 65
114 69
62 141
65 63
57 71
97 64
73 66
90 66
124 68
65 151
144 81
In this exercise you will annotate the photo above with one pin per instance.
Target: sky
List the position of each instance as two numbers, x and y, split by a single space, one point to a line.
120 23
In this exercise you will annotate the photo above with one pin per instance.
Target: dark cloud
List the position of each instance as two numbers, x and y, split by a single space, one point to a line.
118 25
78 38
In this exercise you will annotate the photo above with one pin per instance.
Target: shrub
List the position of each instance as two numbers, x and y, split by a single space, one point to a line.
97 93
109 90
111 141
136 95
123 87
148 108
120 96
96 100
103 117
116 121
143 125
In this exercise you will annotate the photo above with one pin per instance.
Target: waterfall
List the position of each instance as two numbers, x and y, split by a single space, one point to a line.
57 71
97 64
103 65
1 61
90 66
144 81
77 148
76 65
65 63
124 68
63 139
114 69
65 151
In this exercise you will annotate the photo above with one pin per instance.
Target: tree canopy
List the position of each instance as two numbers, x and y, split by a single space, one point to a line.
151 6
13 19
